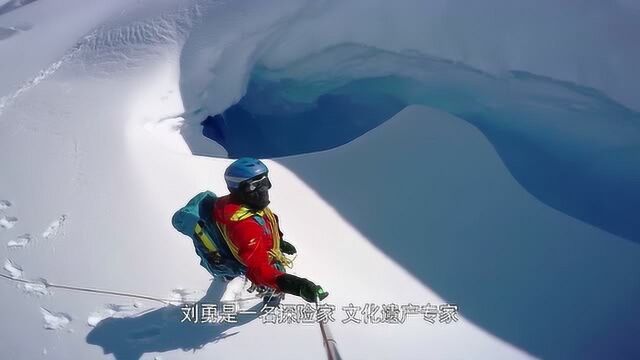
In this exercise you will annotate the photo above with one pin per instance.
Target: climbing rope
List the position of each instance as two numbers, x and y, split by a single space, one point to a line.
94 291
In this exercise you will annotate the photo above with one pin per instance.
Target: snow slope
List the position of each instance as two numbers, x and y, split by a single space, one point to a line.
94 163
118 188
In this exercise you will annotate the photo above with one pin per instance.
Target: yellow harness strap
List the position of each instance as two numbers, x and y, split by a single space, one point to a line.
282 258
244 213
205 239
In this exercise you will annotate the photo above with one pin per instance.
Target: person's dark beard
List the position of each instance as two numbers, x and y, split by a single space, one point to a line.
257 199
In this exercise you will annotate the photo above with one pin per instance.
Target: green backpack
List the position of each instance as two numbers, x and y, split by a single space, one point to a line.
195 221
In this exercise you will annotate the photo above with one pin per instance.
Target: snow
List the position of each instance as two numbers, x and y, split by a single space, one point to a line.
110 311
95 318
587 42
54 227
7 222
20 242
14 270
5 204
184 296
36 288
55 321
99 121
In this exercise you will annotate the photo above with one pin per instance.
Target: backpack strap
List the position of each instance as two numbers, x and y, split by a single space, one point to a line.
204 237
232 247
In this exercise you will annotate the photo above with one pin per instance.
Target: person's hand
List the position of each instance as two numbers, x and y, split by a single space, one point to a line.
302 287
312 292
287 248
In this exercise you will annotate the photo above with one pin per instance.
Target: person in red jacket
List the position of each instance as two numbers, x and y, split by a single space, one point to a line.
253 234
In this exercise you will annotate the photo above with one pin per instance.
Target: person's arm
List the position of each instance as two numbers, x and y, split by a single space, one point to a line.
302 287
253 252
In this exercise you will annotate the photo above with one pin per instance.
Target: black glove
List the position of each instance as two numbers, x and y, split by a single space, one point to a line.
287 248
302 287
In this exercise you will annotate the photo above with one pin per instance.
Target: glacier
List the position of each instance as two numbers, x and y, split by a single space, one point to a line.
478 153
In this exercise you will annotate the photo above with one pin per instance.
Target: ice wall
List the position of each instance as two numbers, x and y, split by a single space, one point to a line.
590 43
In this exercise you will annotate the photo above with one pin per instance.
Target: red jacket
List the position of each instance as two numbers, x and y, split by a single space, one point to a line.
253 238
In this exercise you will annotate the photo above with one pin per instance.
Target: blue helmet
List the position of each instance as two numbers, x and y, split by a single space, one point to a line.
243 169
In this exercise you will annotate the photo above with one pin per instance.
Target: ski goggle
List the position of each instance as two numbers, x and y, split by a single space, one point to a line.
252 185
